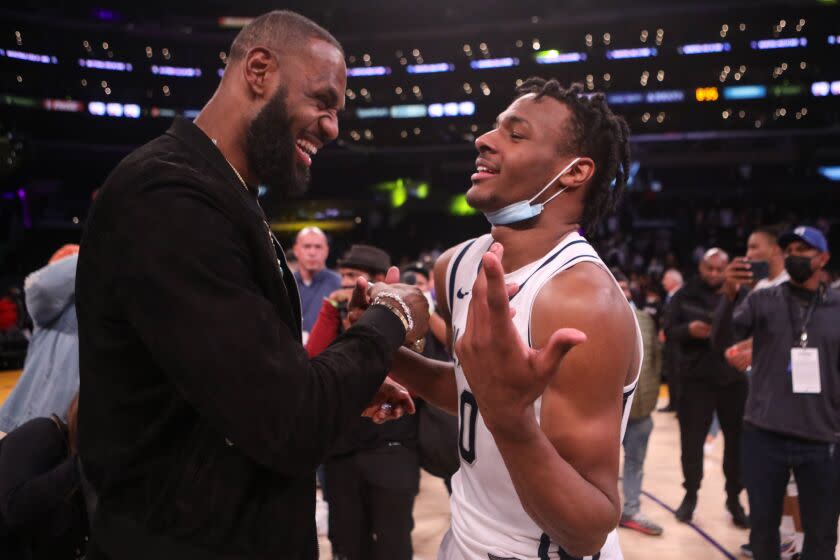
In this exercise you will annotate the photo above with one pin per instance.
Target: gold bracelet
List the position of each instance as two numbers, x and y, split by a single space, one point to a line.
395 310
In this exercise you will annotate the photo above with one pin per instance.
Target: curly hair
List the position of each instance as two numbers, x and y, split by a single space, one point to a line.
595 132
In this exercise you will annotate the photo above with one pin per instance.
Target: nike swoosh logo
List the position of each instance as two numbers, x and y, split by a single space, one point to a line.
462 294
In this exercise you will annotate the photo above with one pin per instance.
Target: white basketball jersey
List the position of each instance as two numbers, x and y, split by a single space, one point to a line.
488 521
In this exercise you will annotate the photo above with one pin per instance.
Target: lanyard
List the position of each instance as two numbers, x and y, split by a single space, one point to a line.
793 305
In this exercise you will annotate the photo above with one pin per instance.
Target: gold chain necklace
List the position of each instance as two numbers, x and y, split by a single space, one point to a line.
238 176
271 239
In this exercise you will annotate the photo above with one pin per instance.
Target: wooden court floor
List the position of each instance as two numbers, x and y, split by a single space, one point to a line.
712 536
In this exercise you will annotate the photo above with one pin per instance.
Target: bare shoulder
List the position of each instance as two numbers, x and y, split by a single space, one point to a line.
584 294
587 298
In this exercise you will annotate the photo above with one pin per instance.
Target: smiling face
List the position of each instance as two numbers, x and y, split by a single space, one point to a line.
520 155
299 117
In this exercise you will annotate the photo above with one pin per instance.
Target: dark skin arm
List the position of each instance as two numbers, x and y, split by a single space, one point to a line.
431 380
564 468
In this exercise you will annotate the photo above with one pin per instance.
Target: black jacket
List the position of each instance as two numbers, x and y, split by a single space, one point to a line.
697 359
202 418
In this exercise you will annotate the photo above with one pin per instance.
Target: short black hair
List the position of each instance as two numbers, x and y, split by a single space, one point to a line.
596 132
282 30
773 232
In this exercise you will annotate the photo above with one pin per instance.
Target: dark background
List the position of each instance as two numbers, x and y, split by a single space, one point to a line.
761 167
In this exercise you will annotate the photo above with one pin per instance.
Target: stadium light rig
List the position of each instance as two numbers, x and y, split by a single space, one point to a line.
366 71
488 63
704 48
553 56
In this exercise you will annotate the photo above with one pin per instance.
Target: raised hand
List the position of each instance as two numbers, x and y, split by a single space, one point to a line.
737 274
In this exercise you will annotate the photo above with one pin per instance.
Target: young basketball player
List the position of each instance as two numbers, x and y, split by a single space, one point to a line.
547 349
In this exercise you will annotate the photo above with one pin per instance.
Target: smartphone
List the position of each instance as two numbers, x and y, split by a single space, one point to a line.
760 269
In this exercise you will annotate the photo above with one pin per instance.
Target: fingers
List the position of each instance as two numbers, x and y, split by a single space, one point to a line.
392 402
380 417
393 275
497 292
360 295
563 340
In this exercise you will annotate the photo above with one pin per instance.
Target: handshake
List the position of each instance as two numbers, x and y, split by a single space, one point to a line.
409 304
406 302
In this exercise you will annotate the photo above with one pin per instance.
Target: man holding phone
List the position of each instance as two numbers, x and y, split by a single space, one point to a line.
792 419
767 264
709 385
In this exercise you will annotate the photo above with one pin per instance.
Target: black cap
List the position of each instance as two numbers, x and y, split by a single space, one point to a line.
366 257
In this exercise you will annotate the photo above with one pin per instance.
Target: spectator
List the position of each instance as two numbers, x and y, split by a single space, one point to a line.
762 246
709 385
51 372
640 424
672 281
373 471
315 281
792 417
42 513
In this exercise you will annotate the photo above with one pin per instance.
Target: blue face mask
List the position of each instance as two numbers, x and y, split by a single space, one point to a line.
524 210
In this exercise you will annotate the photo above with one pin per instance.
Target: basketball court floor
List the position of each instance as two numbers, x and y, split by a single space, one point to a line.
711 536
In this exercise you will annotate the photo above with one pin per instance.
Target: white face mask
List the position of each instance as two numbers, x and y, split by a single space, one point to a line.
524 210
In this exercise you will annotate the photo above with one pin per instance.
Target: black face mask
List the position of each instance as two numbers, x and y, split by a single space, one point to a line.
799 268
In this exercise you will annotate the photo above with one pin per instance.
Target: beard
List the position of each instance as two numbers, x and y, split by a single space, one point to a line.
271 151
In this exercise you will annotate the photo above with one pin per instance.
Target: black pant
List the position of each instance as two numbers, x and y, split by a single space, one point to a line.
768 459
371 503
698 403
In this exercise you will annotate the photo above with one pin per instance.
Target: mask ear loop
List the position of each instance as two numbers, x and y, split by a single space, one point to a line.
558 193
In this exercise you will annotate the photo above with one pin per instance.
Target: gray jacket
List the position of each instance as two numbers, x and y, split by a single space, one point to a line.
771 404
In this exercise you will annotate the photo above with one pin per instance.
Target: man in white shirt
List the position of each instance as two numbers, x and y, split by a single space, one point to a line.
762 245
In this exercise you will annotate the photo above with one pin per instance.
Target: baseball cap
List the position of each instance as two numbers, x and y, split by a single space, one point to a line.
806 234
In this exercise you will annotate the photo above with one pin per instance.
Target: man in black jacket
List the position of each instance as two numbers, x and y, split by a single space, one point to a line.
708 385
202 417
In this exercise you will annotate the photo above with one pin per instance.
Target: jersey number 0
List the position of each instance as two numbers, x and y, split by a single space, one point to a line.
466 435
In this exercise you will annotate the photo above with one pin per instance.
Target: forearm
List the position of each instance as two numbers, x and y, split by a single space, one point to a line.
438 327
573 511
431 380
325 329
